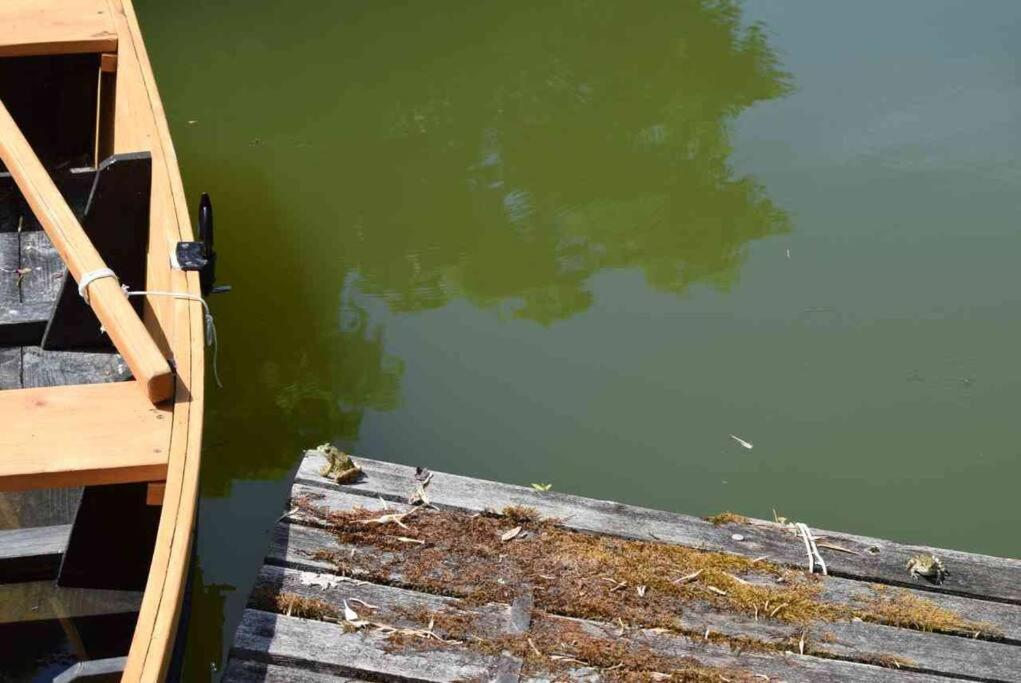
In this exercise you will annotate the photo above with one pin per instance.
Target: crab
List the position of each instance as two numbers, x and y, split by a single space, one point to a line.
929 567
339 465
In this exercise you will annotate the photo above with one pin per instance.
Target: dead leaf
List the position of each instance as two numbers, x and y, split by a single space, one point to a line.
509 535
350 614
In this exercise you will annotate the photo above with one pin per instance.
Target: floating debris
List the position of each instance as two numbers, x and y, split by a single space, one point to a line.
742 442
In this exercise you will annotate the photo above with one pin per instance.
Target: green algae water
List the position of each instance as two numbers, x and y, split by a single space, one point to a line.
599 245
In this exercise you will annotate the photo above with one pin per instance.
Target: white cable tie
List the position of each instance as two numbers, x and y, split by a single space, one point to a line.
90 277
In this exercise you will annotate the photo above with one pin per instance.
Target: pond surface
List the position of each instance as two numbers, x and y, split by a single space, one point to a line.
585 243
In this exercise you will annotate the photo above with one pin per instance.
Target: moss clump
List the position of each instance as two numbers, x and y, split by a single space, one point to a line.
898 607
726 518
293 605
521 514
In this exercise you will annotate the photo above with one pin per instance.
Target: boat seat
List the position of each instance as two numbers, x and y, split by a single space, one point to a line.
49 27
77 435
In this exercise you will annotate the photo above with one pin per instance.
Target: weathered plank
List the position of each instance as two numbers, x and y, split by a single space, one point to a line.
31 554
92 670
40 600
58 368
327 648
1005 618
294 545
247 671
42 266
42 507
10 368
393 605
867 559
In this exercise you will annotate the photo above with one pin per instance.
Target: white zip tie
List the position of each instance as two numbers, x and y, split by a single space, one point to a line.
90 277
211 339
811 549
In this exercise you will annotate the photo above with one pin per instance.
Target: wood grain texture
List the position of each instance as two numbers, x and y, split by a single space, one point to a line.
870 559
327 648
109 303
45 269
248 671
56 368
10 368
32 554
46 27
294 545
140 125
392 605
79 435
42 600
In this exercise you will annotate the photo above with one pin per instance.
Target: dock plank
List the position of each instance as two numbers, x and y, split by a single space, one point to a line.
392 604
327 648
248 671
295 546
872 559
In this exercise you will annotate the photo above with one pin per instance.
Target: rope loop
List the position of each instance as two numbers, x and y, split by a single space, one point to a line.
90 277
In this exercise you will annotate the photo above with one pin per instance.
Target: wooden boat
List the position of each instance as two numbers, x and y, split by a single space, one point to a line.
88 159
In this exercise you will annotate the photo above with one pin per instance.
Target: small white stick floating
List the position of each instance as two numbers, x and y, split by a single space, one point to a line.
745 444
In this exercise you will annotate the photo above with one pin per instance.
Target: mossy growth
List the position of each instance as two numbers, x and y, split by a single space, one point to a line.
726 518
293 605
637 583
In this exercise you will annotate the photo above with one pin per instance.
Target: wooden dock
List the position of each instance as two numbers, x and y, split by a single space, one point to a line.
476 583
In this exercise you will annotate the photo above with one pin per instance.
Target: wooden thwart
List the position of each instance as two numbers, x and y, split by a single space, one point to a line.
111 306
31 27
80 435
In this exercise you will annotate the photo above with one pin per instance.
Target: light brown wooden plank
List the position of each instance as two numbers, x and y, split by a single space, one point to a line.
140 125
47 27
81 434
109 303
872 559
154 493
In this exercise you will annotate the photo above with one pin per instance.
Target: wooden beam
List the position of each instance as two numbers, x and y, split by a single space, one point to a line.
77 435
111 306
154 493
51 27
108 62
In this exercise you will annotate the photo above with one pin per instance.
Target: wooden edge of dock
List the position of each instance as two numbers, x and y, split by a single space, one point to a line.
275 646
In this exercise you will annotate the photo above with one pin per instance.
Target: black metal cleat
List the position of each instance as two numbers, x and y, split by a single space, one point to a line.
200 256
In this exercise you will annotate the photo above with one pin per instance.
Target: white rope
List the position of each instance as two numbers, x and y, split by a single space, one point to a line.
811 549
90 277
211 339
